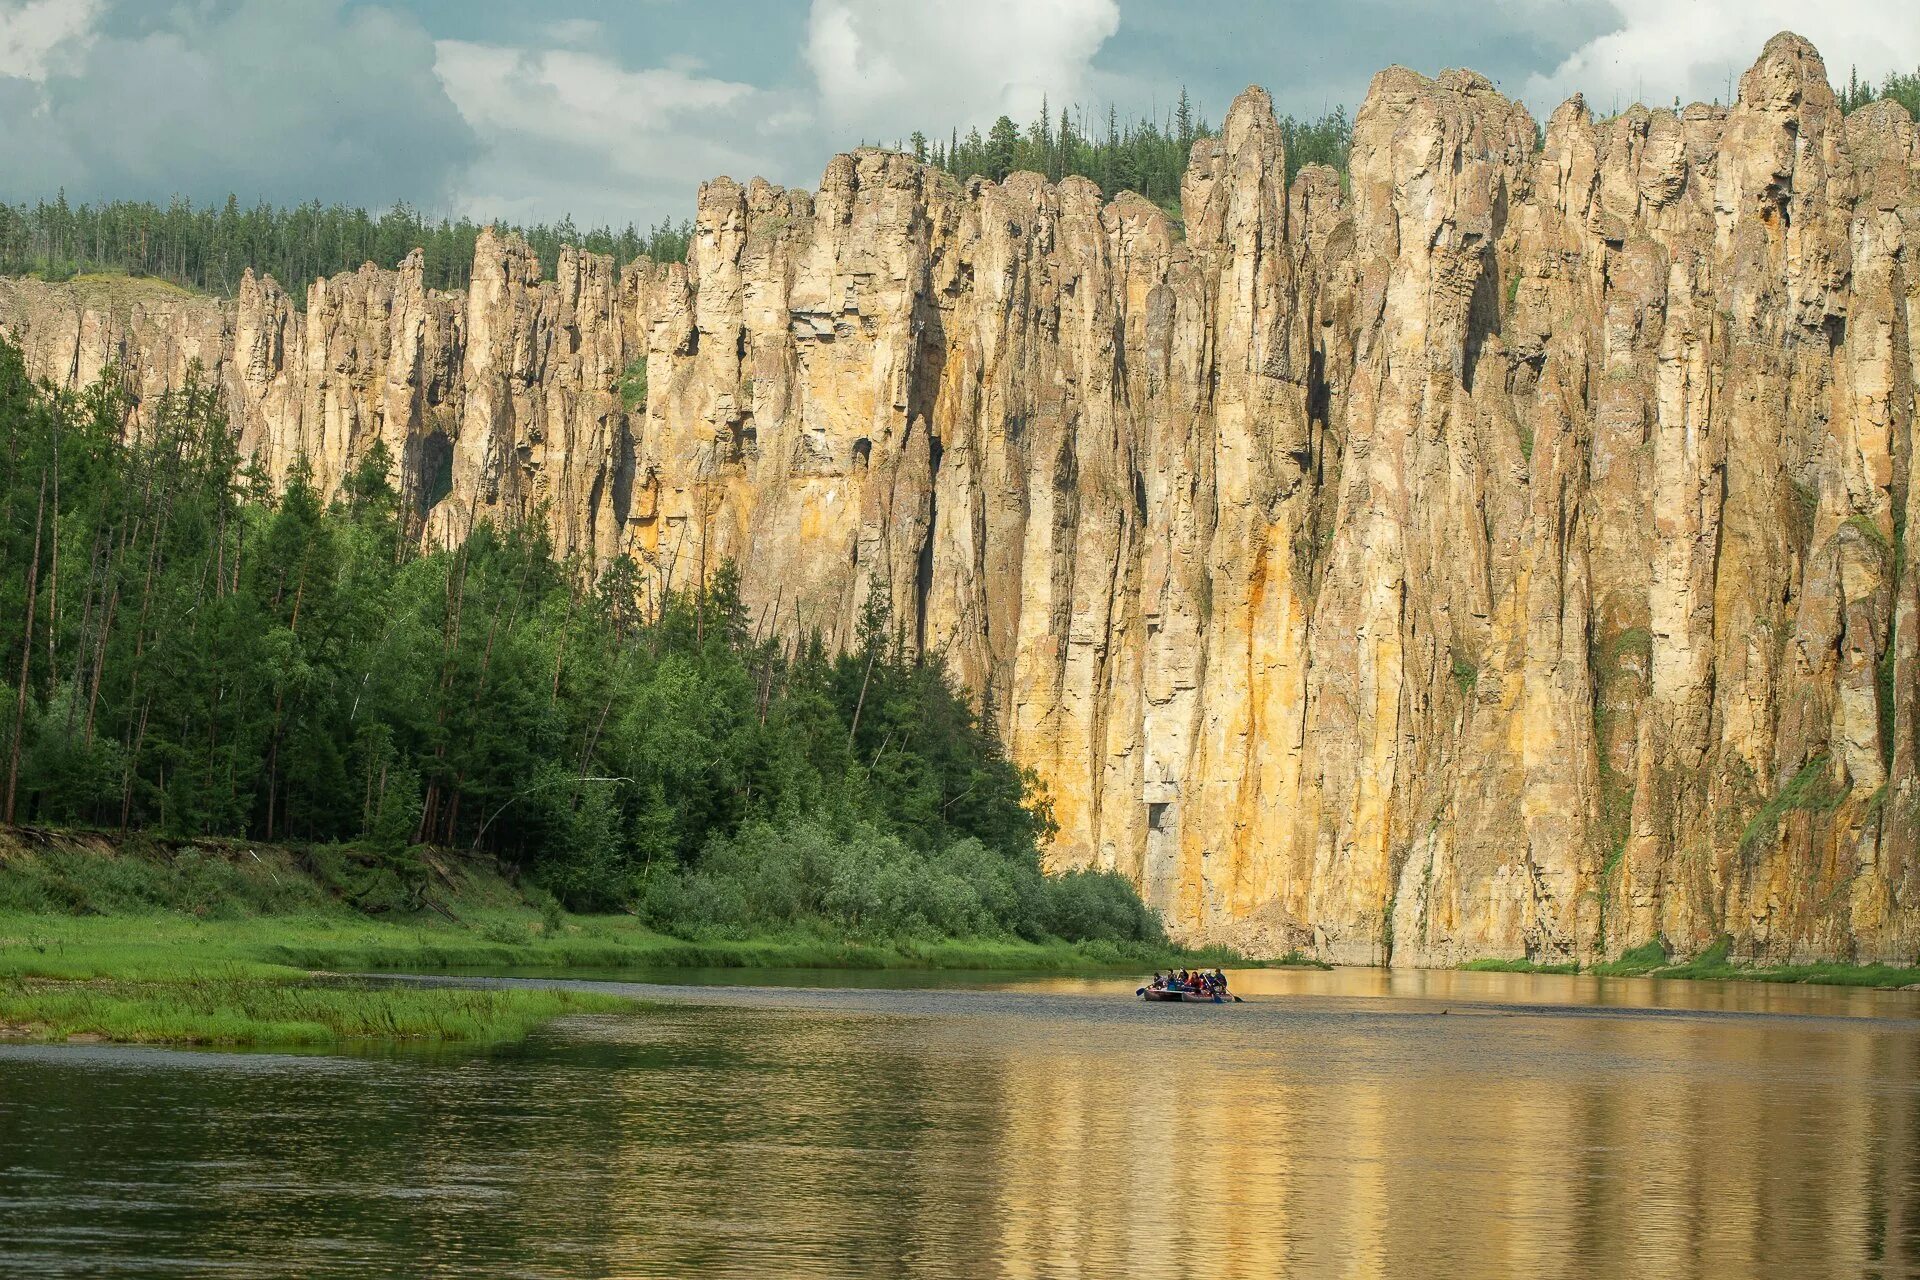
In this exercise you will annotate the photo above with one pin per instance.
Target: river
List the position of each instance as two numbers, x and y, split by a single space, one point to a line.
1346 1124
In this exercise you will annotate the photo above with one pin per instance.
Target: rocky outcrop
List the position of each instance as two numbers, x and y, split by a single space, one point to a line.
1499 554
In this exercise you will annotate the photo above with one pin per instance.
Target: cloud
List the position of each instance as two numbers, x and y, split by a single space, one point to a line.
34 33
262 99
577 31
617 112
564 94
566 130
1662 49
881 66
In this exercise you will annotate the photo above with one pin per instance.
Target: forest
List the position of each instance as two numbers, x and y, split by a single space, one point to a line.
1141 155
209 247
193 651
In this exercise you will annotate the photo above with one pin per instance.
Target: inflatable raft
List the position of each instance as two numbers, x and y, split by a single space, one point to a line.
1186 997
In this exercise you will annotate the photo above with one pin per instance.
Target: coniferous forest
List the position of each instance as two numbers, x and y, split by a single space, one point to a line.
1145 155
202 654
209 247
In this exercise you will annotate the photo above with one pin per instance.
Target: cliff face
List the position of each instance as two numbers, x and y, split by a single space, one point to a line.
1502 558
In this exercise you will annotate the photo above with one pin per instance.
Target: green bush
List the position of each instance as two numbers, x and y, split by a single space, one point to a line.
1651 953
633 385
870 884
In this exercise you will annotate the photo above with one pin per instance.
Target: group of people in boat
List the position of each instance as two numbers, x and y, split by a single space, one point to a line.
1199 982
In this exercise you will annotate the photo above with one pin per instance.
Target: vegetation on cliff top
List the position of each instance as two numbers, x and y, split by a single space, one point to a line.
1900 87
192 653
209 247
1145 156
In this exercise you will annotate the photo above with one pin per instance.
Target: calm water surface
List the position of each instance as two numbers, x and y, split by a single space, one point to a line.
1349 1124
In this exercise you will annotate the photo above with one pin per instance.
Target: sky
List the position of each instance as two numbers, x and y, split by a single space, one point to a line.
614 112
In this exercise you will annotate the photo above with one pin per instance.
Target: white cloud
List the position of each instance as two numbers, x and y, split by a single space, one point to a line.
1693 49
564 130
565 94
35 34
883 66
260 98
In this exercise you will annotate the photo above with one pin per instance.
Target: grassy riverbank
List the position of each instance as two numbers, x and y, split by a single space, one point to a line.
210 942
1650 960
279 1012
162 947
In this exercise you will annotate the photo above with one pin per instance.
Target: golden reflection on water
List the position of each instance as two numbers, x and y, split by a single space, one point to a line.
1353 1124
1366 1139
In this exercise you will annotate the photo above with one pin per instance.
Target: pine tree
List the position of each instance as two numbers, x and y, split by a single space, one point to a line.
1003 142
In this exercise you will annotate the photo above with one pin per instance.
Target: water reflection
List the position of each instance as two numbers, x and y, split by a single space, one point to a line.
1050 1130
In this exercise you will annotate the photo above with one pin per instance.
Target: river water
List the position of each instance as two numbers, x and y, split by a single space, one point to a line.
1345 1124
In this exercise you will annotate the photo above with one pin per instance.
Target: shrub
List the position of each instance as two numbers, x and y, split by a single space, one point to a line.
875 885
633 385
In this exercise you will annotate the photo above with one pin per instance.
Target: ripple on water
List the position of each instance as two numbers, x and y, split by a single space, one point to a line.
1335 1125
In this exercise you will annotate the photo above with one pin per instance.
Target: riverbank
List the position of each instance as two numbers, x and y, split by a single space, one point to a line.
233 943
278 1012
1715 964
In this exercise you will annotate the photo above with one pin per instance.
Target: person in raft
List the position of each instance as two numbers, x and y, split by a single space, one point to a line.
1206 984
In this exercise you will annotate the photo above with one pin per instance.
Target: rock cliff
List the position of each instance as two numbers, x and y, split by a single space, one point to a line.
1498 553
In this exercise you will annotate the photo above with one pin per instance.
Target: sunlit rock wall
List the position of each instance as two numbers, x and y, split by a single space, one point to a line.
1497 555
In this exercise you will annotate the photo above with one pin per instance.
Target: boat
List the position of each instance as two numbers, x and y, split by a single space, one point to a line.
1185 997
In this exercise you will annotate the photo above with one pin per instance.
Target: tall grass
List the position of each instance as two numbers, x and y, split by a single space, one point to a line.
164 947
243 945
1495 964
280 1011
1715 964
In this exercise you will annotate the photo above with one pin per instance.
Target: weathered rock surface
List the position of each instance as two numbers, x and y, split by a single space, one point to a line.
1503 558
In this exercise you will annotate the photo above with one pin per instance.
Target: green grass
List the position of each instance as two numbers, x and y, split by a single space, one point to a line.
1650 960
168 946
1466 672
230 943
1832 975
1810 790
1494 964
280 1011
632 385
1644 958
1865 526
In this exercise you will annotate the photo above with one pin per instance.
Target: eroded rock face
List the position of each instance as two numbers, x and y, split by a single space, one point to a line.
1499 557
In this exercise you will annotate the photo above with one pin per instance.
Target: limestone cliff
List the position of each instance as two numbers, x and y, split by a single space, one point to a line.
1502 556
